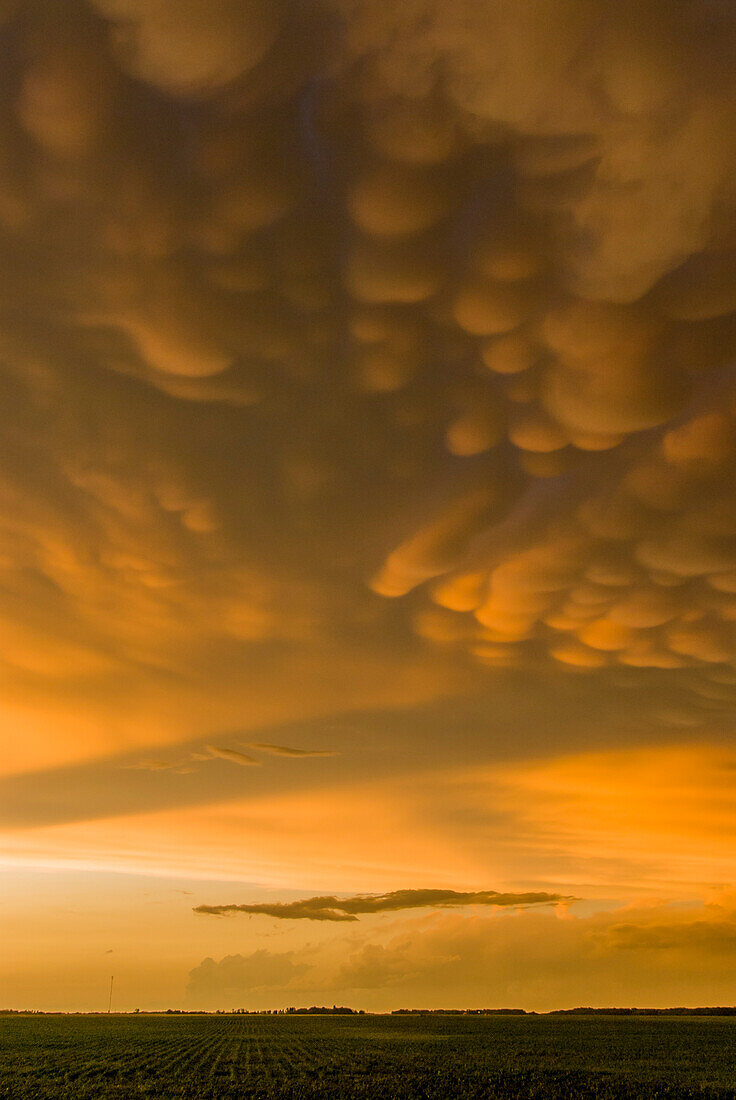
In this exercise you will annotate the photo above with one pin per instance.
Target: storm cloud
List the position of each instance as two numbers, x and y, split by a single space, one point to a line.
368 375
448 294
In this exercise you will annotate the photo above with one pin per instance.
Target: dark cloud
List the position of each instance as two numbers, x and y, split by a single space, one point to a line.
351 351
525 266
330 908
376 360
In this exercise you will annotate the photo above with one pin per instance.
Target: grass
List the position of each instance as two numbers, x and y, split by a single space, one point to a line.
305 1058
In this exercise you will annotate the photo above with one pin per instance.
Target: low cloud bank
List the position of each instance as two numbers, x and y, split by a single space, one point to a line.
647 953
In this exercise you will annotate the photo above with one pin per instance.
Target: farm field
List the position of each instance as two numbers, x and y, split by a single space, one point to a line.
396 1058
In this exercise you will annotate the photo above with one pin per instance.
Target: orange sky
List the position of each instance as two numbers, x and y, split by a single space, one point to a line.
367 507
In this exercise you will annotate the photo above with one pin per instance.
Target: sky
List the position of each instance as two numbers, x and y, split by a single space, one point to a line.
367 503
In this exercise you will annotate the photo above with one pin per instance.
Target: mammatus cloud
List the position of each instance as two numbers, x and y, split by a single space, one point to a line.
358 354
448 296
330 908
355 354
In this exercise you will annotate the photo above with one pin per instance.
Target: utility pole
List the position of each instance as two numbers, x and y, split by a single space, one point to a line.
109 1003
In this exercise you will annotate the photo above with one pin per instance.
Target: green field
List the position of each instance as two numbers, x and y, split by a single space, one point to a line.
223 1057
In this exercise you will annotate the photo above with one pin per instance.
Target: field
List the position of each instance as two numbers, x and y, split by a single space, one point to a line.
391 1058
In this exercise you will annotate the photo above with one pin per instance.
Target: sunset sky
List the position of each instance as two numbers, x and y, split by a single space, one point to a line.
367 503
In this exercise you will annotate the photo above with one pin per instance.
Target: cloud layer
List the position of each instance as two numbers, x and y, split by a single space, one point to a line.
444 301
362 363
647 953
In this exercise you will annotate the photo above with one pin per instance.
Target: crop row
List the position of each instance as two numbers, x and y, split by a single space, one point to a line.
221 1058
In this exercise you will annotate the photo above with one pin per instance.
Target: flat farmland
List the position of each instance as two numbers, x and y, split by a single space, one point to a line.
295 1057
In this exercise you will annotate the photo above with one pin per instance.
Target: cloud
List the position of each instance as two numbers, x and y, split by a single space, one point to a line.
205 242
531 958
233 756
158 766
150 765
714 936
477 954
240 975
188 765
330 908
376 361
186 50
284 750
365 357
223 752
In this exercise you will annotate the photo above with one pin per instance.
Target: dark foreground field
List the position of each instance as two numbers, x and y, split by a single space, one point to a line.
393 1058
